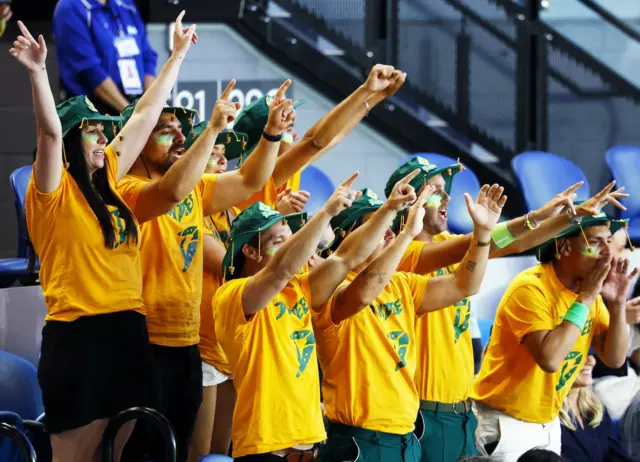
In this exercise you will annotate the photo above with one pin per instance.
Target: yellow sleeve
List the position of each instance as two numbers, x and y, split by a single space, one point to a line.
322 318
129 189
527 310
268 194
227 305
417 286
601 317
205 187
411 257
111 164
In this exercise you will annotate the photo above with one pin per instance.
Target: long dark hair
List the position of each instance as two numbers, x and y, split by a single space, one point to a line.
97 191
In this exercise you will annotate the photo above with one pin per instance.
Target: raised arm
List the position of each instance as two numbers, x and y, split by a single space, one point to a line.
32 55
133 136
613 344
446 290
334 125
361 243
371 281
160 196
441 254
234 187
549 348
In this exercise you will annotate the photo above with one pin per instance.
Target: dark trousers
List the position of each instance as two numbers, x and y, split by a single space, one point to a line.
180 375
448 437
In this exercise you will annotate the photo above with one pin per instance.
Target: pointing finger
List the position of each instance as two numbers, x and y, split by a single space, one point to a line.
407 179
350 180
282 90
179 20
227 91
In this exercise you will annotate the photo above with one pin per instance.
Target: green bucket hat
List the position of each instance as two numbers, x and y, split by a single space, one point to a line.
596 220
234 142
77 111
186 117
427 171
253 118
345 220
253 220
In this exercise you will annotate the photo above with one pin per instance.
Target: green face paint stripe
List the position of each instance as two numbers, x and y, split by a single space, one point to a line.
434 200
590 251
92 137
271 251
166 139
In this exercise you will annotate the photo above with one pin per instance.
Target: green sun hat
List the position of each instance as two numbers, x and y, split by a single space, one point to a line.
77 111
234 142
187 117
253 220
596 220
253 118
427 171
345 220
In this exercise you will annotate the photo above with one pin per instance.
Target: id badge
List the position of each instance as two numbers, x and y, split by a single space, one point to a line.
130 77
127 46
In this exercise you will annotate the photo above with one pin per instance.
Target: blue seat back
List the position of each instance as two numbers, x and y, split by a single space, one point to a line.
216 458
19 180
542 175
19 388
624 164
485 326
9 452
320 186
458 218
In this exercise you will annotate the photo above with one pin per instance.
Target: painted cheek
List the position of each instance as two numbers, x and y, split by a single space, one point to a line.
434 201
91 137
270 251
590 252
166 139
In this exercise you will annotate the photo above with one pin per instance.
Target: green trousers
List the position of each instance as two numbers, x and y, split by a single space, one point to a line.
345 443
448 437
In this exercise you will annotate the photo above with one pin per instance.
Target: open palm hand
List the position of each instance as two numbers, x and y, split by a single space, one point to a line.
486 211
30 53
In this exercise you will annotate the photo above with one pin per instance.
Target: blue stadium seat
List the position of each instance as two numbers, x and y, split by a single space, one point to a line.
542 175
216 458
14 444
19 388
624 164
320 186
466 181
12 269
485 330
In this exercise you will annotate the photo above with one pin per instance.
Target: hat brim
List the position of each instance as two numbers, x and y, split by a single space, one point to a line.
111 125
294 220
615 225
447 174
348 222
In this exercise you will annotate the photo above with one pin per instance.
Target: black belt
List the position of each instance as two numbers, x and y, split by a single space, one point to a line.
459 407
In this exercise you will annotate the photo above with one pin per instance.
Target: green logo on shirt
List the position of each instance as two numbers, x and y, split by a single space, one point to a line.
400 341
298 310
183 209
121 232
460 324
586 330
384 310
569 367
188 245
304 354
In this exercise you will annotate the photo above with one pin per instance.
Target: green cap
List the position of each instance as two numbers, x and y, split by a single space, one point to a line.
253 220
75 111
427 171
253 118
234 142
596 220
344 221
187 117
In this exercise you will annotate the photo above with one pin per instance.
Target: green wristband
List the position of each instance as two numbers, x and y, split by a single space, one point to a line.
577 314
501 235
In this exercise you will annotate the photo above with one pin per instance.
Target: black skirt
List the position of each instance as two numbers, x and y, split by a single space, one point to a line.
94 367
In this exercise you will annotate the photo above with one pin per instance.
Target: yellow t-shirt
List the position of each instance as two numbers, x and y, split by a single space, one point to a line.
275 368
210 349
80 276
510 380
220 223
445 369
171 253
369 360
268 194
293 183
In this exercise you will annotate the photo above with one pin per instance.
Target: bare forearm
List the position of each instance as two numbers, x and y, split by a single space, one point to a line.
556 345
153 100
616 338
109 93
44 105
297 250
259 166
470 272
361 243
148 81
529 239
184 175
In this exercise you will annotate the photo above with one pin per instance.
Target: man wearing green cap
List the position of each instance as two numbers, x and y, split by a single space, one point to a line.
548 319
369 392
445 371
169 195
263 319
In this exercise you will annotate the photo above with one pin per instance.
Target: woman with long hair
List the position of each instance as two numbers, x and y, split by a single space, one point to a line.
95 357
587 430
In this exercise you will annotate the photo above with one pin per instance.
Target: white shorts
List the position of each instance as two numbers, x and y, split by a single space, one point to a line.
515 436
212 376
